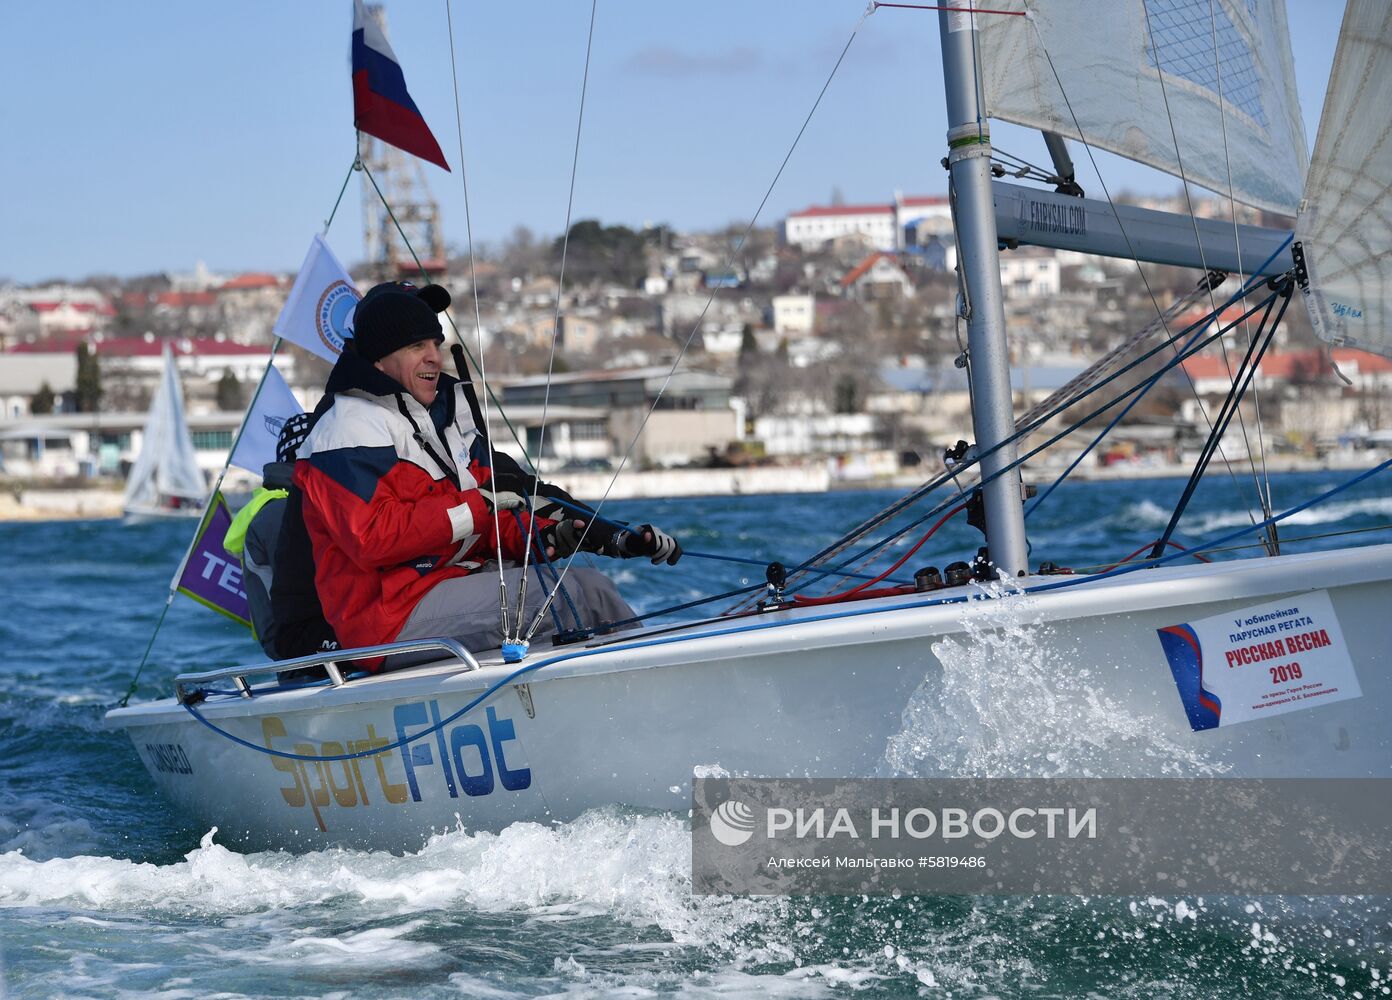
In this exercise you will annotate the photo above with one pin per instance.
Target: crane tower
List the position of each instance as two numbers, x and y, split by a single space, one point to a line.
402 180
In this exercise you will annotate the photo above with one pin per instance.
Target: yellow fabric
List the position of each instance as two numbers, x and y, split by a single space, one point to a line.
235 539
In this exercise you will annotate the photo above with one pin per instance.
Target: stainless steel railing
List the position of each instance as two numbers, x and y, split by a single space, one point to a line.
187 685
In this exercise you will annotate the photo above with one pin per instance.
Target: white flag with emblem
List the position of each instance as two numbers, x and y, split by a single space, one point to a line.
274 405
318 314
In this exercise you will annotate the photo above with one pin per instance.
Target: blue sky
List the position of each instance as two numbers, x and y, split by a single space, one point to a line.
147 136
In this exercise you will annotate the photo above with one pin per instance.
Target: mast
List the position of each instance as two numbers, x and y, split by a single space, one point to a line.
969 159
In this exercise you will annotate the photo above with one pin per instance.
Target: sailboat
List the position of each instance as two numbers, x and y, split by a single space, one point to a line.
165 480
787 687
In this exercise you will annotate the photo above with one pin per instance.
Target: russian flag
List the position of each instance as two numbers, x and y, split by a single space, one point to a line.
381 105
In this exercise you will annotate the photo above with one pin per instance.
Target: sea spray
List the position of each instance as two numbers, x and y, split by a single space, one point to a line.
1006 698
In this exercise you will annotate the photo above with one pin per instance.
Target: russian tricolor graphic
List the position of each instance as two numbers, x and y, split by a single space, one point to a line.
381 105
1182 649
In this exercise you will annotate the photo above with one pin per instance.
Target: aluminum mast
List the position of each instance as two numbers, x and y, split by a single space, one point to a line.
969 143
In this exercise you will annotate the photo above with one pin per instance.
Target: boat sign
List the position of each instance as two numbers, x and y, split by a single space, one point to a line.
1260 661
472 760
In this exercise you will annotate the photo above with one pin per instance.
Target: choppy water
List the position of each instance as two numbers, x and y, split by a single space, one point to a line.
104 893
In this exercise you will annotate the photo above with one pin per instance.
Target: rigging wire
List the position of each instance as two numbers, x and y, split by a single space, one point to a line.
1026 426
1193 347
1249 283
556 323
1194 221
700 319
478 330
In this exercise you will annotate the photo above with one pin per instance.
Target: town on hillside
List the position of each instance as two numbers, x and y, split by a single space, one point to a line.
826 351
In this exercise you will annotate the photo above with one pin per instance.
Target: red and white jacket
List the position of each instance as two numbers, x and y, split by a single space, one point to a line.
391 500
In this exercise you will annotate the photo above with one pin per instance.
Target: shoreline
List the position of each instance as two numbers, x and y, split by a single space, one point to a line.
23 504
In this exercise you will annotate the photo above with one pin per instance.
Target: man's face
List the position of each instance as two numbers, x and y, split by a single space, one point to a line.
417 367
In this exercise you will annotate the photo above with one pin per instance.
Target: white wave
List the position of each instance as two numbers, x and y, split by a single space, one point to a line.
1324 513
219 910
1139 515
635 869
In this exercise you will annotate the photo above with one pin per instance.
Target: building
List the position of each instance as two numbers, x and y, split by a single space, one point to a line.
131 366
30 315
85 444
794 314
23 374
891 226
879 276
1301 393
818 225
677 418
1030 273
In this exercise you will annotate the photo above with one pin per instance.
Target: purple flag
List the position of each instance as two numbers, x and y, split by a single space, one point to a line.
213 576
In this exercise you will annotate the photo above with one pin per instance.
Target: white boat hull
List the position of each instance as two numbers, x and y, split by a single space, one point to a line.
1067 681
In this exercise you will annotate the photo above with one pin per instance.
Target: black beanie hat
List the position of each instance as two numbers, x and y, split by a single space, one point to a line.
396 314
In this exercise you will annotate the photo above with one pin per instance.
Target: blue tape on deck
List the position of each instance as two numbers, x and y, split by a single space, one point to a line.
514 652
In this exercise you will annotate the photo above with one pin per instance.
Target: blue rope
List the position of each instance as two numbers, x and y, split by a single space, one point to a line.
768 624
555 578
1241 292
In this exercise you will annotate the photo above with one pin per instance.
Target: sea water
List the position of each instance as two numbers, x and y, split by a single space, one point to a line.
105 893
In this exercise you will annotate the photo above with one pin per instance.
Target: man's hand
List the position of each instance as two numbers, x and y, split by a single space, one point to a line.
501 500
507 491
562 539
653 542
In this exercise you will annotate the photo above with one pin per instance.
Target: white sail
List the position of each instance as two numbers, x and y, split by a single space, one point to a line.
1227 71
1344 229
167 466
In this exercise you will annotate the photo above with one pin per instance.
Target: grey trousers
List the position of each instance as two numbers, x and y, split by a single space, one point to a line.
466 608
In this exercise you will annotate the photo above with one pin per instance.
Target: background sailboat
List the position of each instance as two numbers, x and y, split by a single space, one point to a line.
166 480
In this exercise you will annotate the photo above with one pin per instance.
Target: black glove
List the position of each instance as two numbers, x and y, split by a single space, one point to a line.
507 491
512 490
561 539
646 540
568 536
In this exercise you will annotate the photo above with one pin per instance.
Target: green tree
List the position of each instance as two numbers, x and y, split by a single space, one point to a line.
596 252
42 401
748 345
89 387
847 393
229 392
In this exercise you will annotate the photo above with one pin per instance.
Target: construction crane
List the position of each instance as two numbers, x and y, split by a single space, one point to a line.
401 178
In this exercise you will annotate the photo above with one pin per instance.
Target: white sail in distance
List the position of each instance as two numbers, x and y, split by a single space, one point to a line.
1227 71
1344 230
167 465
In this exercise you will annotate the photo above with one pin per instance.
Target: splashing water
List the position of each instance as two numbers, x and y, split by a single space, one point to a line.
1011 701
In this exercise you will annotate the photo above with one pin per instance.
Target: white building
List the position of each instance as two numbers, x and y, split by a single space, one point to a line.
882 226
794 314
1030 272
817 225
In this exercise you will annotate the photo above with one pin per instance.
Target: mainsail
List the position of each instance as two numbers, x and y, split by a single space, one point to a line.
1228 91
1344 224
167 466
